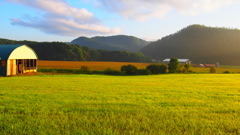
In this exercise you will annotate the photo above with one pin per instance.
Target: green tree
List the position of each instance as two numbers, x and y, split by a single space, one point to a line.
173 65
157 69
129 69
163 69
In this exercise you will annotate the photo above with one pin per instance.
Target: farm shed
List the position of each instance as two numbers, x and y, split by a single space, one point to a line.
17 59
181 61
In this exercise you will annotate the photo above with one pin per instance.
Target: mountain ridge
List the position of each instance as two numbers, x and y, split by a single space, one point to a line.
199 43
113 43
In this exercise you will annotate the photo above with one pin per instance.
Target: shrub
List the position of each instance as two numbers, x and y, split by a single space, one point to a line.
97 72
181 69
129 69
213 70
190 71
143 72
110 71
84 68
157 69
187 67
226 72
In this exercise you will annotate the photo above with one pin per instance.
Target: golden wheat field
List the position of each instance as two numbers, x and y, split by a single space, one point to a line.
101 66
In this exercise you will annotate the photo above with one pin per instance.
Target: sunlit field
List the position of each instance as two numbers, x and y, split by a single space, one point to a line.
101 66
97 104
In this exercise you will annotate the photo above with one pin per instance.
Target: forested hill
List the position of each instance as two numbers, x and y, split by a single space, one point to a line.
119 42
199 43
64 52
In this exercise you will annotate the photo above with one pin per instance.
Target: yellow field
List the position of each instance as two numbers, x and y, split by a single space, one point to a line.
219 70
170 104
100 66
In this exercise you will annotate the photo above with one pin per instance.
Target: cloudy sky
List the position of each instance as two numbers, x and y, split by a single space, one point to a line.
64 20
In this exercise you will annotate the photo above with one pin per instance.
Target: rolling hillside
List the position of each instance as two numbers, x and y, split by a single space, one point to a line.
199 43
119 43
59 51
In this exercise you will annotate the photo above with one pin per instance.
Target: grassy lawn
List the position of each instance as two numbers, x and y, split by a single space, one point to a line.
97 104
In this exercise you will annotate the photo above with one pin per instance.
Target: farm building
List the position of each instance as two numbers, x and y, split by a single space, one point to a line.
206 65
17 59
181 61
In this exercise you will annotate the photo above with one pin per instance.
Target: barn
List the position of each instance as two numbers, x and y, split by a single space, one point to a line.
17 59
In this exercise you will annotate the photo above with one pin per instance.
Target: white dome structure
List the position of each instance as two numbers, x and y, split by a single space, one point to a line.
17 59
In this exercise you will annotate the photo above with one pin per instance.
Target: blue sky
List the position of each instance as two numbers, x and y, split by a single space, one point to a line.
65 20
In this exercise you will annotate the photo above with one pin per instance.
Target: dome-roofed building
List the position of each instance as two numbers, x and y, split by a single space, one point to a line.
17 59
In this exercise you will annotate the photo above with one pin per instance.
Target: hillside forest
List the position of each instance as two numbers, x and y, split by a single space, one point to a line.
59 51
199 43
116 43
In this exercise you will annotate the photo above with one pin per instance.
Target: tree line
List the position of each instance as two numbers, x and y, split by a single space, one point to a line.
59 51
172 67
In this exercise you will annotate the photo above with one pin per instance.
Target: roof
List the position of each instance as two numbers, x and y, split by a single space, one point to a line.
7 51
179 60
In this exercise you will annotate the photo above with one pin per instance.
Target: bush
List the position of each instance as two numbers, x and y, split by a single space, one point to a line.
226 72
181 69
129 69
143 72
84 68
213 70
47 70
112 72
157 69
187 67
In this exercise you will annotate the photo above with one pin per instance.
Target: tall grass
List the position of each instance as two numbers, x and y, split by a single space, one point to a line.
96 104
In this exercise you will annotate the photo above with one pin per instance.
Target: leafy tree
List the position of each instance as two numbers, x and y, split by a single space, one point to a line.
129 69
163 69
173 65
157 69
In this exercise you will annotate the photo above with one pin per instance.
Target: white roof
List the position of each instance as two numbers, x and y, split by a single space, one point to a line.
23 52
179 60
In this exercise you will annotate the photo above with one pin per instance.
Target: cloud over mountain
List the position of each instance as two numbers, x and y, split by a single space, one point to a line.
61 18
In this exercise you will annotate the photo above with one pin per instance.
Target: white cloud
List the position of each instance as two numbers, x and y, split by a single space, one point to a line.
146 9
65 27
62 19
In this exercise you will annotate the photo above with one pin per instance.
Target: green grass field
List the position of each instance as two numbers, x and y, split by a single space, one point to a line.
97 104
